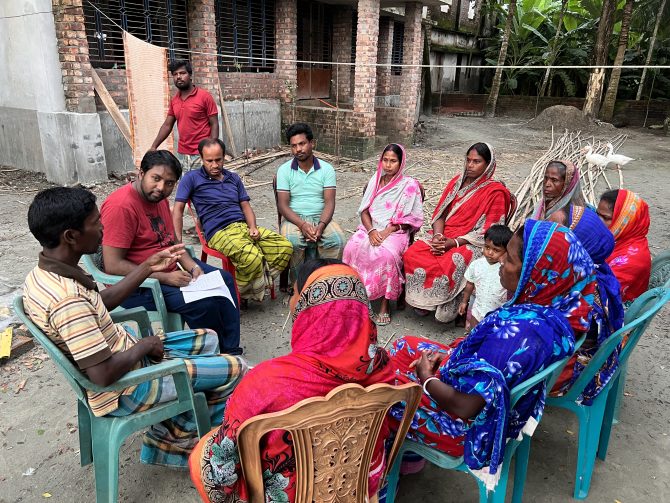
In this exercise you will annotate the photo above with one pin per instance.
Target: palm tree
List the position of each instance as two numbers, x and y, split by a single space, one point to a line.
594 89
607 109
652 42
492 100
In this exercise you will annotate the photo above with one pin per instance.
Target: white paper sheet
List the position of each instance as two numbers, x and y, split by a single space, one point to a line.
207 285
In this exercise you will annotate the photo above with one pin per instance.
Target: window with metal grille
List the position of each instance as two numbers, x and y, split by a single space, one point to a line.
396 50
245 35
315 34
159 22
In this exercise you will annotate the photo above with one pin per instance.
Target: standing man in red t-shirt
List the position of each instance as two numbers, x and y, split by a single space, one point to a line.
195 112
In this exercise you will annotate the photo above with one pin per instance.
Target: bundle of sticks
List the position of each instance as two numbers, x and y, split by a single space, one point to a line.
248 163
570 146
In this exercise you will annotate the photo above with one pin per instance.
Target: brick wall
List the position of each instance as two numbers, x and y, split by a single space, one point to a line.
326 125
388 119
365 77
73 55
384 48
628 112
410 84
286 42
342 28
202 38
115 82
250 85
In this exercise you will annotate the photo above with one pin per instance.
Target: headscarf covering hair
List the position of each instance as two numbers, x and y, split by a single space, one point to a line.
631 260
458 190
333 342
557 271
571 193
399 201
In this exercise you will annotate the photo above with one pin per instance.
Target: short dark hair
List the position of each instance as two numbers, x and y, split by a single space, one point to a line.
610 197
395 148
55 210
178 63
499 235
208 142
160 158
311 265
483 150
299 128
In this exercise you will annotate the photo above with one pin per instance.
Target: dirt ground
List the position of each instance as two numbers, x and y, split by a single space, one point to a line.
38 436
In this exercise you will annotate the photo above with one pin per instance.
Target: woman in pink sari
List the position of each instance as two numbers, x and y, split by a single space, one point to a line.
391 210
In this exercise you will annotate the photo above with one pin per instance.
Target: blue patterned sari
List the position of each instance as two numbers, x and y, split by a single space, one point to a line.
537 327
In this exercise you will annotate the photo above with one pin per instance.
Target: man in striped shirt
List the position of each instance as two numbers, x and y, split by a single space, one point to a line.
64 302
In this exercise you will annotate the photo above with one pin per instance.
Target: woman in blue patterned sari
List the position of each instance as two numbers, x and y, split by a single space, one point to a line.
608 312
465 410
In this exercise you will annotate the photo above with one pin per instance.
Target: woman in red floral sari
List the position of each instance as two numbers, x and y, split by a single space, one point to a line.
470 204
331 296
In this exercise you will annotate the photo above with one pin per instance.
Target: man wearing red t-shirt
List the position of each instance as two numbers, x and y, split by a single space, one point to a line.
194 111
138 223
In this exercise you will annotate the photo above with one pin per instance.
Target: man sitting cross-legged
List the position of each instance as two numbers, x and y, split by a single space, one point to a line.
138 222
65 304
229 222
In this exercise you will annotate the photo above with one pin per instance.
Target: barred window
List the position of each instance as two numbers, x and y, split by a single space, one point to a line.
159 22
315 34
396 51
245 29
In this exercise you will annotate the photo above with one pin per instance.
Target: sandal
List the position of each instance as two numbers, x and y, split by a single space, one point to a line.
383 319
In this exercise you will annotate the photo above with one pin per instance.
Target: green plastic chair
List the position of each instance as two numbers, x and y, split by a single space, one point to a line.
549 376
100 438
595 420
643 310
660 270
171 322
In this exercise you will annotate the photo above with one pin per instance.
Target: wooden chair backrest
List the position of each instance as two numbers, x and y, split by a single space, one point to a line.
333 440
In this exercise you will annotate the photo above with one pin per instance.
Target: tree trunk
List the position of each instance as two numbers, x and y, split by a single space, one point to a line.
594 90
492 100
552 55
652 42
607 109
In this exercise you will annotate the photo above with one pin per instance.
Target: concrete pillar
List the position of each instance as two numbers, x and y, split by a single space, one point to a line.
286 44
385 48
365 85
202 38
410 85
342 28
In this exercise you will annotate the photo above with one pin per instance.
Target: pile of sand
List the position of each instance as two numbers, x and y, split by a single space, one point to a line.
565 117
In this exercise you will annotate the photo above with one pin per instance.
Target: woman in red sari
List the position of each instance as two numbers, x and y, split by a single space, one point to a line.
470 204
330 296
627 216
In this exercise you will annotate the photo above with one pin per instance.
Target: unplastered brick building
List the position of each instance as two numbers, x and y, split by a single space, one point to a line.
334 64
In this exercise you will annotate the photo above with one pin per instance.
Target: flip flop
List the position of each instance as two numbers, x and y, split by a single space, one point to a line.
383 319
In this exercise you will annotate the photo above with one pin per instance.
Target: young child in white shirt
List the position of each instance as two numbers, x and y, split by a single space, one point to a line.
483 278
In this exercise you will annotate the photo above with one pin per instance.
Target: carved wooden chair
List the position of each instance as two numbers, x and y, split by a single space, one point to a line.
333 439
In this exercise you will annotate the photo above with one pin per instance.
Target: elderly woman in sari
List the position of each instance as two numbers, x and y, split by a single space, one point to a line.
392 208
627 216
328 293
467 383
470 204
561 189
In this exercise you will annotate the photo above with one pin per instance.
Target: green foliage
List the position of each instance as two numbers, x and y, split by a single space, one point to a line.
532 42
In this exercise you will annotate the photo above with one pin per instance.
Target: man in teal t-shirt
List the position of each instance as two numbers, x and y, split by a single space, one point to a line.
306 201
